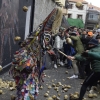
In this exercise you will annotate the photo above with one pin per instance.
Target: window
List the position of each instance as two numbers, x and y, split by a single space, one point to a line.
69 15
93 17
71 6
81 8
79 16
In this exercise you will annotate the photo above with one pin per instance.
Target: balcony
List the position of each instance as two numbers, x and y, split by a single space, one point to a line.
91 21
92 17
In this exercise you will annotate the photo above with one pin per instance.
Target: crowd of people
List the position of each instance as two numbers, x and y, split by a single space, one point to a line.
83 54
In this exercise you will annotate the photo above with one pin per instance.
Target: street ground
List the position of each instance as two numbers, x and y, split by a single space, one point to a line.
52 76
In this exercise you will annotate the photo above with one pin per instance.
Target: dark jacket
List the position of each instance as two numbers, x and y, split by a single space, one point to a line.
69 49
94 56
85 40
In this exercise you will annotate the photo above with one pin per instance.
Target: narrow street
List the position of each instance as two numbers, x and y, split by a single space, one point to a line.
52 76
36 35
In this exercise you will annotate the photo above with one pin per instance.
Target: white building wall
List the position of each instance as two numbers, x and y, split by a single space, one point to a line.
42 9
75 11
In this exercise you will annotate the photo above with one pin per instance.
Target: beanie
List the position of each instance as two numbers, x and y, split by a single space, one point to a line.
90 33
73 33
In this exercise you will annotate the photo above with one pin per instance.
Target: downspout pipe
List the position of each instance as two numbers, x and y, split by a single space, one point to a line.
32 17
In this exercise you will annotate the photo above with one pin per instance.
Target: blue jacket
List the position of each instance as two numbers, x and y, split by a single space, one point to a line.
69 49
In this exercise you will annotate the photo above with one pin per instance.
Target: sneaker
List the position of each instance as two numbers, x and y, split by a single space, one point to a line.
74 76
91 91
55 66
61 63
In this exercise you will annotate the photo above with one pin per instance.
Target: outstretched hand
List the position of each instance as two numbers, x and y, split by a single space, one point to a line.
71 58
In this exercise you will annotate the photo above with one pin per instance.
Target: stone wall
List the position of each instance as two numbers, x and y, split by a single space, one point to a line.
12 24
42 9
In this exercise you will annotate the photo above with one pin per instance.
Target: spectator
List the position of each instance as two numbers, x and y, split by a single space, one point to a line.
79 49
94 56
58 44
69 50
86 38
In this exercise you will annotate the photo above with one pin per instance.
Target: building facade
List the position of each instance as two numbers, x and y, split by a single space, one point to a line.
92 17
12 24
74 12
15 22
43 10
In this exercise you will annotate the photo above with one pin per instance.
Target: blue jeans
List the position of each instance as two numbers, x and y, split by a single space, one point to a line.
69 62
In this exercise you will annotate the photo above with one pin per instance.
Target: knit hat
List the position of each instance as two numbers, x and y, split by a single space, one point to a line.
94 42
90 33
73 33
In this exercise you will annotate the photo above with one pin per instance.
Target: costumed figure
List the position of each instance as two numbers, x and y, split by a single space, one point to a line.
50 27
25 72
26 66
50 51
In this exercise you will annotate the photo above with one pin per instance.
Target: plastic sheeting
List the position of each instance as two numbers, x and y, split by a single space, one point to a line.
75 22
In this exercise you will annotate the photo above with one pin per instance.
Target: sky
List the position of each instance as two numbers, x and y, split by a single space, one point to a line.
94 2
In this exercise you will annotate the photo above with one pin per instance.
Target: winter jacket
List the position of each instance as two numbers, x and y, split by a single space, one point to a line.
94 56
59 42
69 49
77 44
85 40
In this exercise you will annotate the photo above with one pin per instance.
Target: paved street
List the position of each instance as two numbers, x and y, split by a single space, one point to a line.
52 76
6 92
59 75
